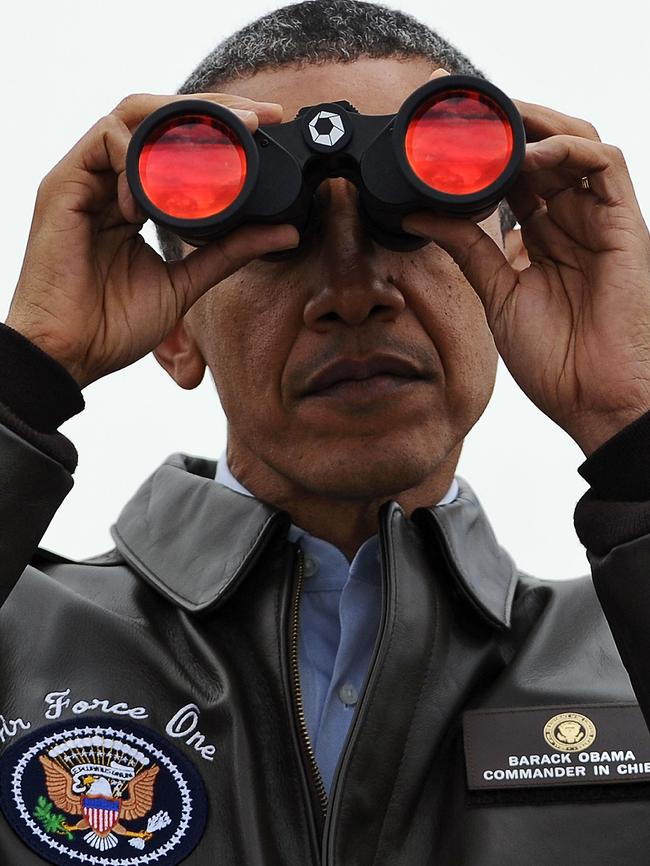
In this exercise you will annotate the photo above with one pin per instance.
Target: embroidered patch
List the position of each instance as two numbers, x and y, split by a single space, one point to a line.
102 794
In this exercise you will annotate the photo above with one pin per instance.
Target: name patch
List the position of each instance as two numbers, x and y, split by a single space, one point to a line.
522 747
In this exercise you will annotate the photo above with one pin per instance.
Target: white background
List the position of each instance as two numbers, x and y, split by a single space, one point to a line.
64 64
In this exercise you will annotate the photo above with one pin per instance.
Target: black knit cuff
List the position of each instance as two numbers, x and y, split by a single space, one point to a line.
620 468
55 445
617 507
33 386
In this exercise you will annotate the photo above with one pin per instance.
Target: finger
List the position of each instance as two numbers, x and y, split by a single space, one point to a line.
542 122
129 208
438 73
523 199
104 147
544 238
91 178
476 254
134 108
267 112
208 265
558 163
97 163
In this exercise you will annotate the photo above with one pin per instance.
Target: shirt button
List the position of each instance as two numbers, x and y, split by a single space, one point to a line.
310 566
348 694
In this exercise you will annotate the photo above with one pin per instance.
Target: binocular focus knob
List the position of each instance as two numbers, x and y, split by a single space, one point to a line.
326 127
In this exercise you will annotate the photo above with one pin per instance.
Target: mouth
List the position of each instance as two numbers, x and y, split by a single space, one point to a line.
379 375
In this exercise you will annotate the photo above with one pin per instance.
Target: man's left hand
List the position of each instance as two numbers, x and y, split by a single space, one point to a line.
573 325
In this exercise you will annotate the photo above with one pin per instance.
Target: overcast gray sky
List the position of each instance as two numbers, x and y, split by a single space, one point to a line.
65 64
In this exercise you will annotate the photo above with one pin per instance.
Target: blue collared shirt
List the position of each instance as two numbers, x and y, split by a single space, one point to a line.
340 611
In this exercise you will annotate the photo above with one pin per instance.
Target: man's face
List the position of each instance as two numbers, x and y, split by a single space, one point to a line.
350 370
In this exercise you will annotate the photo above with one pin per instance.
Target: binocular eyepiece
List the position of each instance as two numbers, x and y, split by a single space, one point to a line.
455 147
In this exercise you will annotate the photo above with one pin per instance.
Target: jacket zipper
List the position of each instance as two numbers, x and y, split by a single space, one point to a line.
308 749
372 675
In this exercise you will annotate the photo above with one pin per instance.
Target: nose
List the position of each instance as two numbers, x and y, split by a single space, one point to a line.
351 279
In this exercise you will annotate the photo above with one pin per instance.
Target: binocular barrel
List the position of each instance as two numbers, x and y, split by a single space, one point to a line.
454 147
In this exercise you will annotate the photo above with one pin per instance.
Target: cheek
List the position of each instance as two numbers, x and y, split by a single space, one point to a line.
469 330
247 333
453 316
471 369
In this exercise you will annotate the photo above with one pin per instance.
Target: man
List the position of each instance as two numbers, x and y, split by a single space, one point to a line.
324 656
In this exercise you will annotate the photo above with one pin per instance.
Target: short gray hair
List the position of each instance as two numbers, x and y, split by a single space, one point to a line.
318 31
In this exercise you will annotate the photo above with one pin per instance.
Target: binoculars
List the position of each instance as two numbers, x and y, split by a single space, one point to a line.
455 147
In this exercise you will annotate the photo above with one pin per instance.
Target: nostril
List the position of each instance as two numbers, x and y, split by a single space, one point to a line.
380 310
330 317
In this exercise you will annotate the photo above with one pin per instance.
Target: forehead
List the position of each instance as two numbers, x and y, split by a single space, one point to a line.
372 85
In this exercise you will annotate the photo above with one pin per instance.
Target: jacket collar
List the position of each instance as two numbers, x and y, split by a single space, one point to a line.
194 540
484 572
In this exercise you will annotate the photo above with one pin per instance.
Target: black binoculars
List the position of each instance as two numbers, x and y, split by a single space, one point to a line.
455 147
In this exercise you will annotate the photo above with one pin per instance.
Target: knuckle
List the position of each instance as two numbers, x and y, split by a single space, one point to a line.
44 186
111 124
589 130
107 123
614 153
129 104
49 186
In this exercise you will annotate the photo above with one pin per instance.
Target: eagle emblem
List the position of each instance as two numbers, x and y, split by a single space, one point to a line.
570 732
95 793
106 782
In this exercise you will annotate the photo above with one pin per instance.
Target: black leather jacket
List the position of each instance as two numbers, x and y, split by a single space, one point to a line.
181 642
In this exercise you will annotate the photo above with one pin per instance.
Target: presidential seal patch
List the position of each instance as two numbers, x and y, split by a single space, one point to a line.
102 794
570 732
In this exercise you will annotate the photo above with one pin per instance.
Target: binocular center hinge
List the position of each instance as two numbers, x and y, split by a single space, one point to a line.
342 103
347 106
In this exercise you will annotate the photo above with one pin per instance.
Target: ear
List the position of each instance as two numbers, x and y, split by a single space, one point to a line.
181 357
515 251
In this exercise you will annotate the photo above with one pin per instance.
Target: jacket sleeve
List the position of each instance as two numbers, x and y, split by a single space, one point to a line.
36 462
612 520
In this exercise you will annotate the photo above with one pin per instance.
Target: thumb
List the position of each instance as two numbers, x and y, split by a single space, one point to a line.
477 255
206 266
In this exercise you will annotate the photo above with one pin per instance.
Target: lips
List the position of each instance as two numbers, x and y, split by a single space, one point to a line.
357 370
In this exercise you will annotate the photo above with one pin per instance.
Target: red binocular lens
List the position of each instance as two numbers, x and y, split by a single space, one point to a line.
459 142
192 167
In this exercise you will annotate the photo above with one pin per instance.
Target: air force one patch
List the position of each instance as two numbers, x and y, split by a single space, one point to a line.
524 747
102 794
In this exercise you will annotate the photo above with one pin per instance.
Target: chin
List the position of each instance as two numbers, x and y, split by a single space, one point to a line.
367 468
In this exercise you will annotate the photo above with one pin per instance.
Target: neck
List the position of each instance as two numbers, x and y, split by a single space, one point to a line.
345 522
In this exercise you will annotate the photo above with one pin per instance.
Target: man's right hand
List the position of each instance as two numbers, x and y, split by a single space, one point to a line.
92 293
